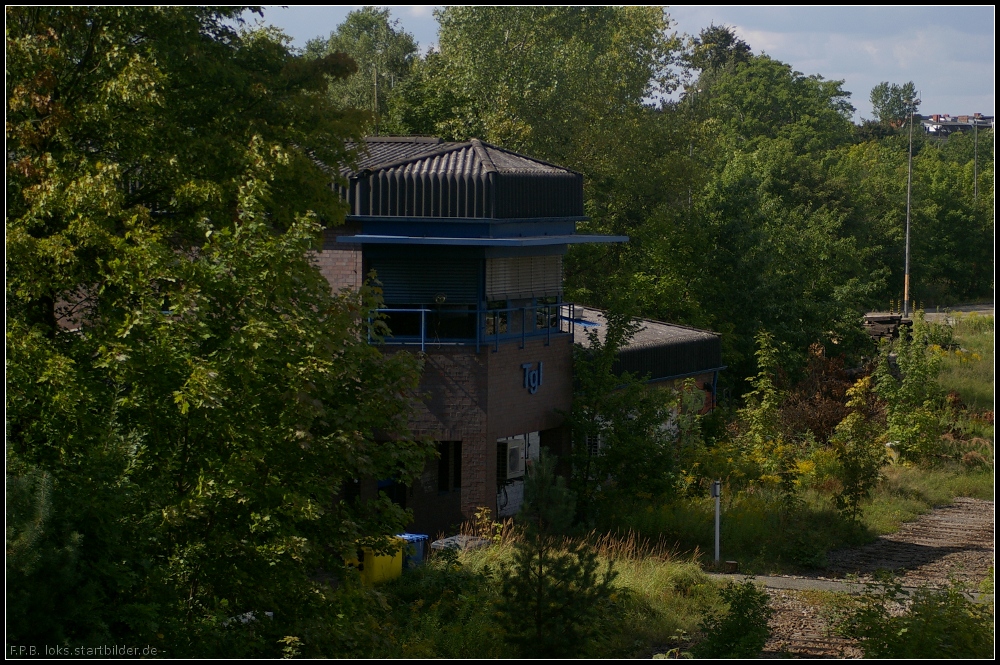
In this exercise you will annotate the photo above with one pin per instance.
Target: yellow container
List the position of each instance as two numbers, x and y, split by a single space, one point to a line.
375 568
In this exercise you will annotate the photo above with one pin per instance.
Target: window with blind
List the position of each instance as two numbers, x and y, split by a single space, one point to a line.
516 277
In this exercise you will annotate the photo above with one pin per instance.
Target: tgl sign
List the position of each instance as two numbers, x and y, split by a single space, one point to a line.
532 377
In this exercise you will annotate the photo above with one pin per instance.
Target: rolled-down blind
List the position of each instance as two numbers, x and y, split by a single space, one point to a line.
523 277
412 281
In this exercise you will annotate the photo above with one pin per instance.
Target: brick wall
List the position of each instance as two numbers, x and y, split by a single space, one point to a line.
340 263
454 408
435 513
477 398
513 409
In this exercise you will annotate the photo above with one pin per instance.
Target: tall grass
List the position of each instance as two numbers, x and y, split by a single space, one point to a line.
968 371
908 492
447 607
661 596
756 529
766 535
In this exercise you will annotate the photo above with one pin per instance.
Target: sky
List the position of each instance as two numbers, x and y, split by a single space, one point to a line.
947 51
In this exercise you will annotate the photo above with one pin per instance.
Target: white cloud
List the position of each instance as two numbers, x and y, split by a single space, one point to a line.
421 11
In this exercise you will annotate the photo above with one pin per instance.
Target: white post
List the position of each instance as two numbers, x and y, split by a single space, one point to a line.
717 493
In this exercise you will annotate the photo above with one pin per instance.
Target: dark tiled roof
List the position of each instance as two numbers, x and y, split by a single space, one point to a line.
661 350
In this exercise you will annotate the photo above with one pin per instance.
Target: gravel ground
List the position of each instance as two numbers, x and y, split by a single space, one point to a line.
799 630
953 542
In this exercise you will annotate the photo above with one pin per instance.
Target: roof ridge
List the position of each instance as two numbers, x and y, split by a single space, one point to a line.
480 147
483 155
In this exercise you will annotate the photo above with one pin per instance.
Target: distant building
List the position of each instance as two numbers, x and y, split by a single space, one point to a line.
944 125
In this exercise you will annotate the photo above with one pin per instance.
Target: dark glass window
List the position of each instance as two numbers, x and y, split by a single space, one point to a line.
444 462
449 466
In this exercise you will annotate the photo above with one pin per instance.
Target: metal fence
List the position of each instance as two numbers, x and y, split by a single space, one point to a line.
457 327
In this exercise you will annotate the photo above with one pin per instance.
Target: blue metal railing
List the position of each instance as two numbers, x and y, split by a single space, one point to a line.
491 325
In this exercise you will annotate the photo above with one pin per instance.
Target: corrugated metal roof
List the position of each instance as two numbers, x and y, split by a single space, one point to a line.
425 177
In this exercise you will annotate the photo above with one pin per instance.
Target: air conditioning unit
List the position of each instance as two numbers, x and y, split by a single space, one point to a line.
515 459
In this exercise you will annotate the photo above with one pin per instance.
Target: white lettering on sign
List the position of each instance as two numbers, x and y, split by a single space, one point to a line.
532 377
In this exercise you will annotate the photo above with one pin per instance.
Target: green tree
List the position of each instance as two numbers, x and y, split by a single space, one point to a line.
384 54
762 98
531 78
184 393
553 593
548 505
952 232
637 454
764 442
715 47
893 104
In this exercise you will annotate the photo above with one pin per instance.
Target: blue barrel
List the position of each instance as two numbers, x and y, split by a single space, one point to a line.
416 550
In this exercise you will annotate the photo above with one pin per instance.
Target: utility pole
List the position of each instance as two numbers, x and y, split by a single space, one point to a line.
375 106
909 185
717 494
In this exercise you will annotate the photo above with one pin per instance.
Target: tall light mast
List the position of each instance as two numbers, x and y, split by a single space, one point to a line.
909 185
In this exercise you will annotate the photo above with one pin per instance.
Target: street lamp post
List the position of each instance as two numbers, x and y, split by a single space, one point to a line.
909 185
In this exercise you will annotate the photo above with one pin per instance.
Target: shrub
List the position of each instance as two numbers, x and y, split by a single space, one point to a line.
913 397
934 624
743 631
860 450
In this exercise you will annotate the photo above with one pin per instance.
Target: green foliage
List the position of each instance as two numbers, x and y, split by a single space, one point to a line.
759 98
893 104
628 416
549 506
907 384
716 47
552 597
530 73
185 395
383 52
43 575
443 609
763 443
859 445
761 415
968 371
742 631
932 624
449 607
